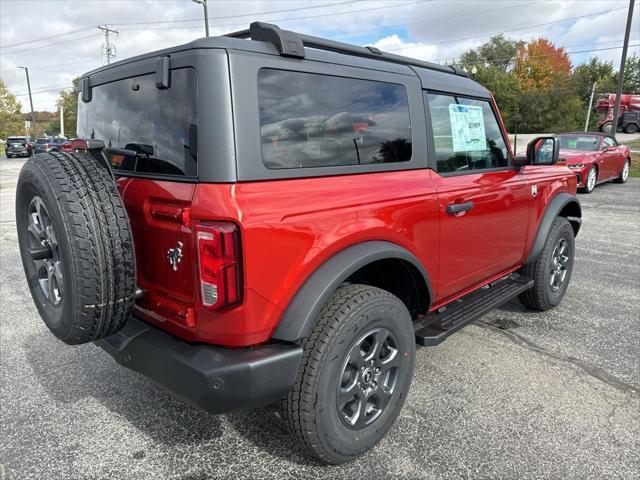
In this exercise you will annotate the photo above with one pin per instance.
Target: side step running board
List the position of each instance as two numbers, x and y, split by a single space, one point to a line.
437 326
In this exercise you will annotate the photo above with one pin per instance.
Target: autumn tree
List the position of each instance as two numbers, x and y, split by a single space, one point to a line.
10 116
540 64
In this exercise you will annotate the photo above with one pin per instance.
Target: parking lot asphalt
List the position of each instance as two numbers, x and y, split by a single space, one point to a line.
518 395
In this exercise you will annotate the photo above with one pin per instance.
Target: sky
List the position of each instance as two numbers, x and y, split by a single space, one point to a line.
59 40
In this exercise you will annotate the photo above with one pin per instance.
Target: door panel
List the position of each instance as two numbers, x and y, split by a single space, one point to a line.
485 238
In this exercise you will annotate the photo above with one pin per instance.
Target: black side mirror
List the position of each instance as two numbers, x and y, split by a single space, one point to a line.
543 151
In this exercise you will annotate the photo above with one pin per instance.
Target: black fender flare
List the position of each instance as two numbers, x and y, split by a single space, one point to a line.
301 313
557 204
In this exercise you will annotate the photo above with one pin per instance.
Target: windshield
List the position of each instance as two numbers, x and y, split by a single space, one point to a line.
582 143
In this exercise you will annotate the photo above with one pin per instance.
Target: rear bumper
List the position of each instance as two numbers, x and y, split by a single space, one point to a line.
213 378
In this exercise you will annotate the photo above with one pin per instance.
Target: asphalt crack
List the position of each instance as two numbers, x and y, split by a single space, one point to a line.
588 368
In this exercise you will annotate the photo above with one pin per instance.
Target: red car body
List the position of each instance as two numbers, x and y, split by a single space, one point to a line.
285 240
607 156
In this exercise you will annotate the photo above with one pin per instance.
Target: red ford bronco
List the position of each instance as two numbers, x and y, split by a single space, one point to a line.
271 216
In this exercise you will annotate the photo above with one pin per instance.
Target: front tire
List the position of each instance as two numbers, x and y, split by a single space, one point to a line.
606 127
551 272
590 180
354 376
624 173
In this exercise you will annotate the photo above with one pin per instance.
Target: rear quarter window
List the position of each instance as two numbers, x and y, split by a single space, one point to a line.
312 120
158 124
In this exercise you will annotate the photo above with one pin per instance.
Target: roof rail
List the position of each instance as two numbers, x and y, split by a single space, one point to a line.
291 44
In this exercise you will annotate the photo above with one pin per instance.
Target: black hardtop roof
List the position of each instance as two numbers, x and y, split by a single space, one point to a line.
265 38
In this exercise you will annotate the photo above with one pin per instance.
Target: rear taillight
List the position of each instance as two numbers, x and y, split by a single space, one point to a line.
219 252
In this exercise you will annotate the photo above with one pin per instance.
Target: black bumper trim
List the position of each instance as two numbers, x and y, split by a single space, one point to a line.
216 379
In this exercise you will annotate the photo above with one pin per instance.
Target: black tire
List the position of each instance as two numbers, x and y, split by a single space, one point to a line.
588 188
606 127
543 296
624 173
71 204
311 409
631 128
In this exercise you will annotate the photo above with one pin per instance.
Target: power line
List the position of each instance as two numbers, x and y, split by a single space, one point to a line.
50 44
45 38
287 10
286 19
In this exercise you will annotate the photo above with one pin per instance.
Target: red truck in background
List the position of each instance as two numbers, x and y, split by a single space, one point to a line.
628 117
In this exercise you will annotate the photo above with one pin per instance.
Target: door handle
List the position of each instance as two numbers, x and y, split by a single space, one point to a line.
455 208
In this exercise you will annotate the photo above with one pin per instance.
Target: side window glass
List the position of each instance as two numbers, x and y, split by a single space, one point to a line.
467 135
312 120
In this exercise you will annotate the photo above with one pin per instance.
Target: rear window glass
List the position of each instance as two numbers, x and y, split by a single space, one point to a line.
40 141
310 120
16 140
157 126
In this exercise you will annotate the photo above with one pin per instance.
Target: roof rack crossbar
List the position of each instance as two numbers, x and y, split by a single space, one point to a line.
292 44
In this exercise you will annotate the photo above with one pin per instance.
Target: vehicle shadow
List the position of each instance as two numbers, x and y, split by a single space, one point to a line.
86 371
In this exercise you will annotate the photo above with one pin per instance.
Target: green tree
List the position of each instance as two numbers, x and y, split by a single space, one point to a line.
68 99
10 113
549 110
504 87
594 71
498 52
631 83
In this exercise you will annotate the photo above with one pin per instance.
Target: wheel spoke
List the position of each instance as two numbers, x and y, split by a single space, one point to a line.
379 338
355 358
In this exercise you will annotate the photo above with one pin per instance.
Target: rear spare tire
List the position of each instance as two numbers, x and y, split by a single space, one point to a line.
76 246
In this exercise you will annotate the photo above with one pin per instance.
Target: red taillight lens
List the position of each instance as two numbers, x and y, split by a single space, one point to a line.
220 265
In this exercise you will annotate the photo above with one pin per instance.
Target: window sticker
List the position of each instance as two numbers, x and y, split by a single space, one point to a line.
467 128
573 143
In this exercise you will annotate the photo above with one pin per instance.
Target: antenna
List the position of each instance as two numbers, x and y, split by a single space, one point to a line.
108 50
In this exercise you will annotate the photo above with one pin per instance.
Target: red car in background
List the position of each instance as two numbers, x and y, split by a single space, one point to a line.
74 145
595 158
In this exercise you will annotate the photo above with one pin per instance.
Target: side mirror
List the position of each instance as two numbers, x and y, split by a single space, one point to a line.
608 148
543 151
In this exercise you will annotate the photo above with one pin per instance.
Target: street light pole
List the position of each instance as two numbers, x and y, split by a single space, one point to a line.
623 61
593 91
206 15
33 116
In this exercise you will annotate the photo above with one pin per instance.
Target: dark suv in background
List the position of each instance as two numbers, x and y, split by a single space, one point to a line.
49 144
18 147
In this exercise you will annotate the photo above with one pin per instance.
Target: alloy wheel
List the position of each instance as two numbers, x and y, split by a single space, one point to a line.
591 179
368 379
44 251
559 263
625 171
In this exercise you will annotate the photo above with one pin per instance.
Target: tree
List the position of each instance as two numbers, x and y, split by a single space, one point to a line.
504 87
548 110
68 99
540 65
10 113
596 71
631 83
498 52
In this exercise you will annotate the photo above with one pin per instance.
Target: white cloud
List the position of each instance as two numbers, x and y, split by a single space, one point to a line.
429 30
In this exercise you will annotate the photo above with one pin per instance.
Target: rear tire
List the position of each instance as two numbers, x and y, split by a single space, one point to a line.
551 272
606 127
624 173
590 180
354 375
631 128
76 246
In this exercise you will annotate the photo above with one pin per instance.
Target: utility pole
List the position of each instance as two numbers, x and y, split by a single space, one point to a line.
33 116
62 121
623 61
109 50
206 15
593 91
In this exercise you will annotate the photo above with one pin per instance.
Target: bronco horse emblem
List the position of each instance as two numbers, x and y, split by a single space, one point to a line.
174 255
